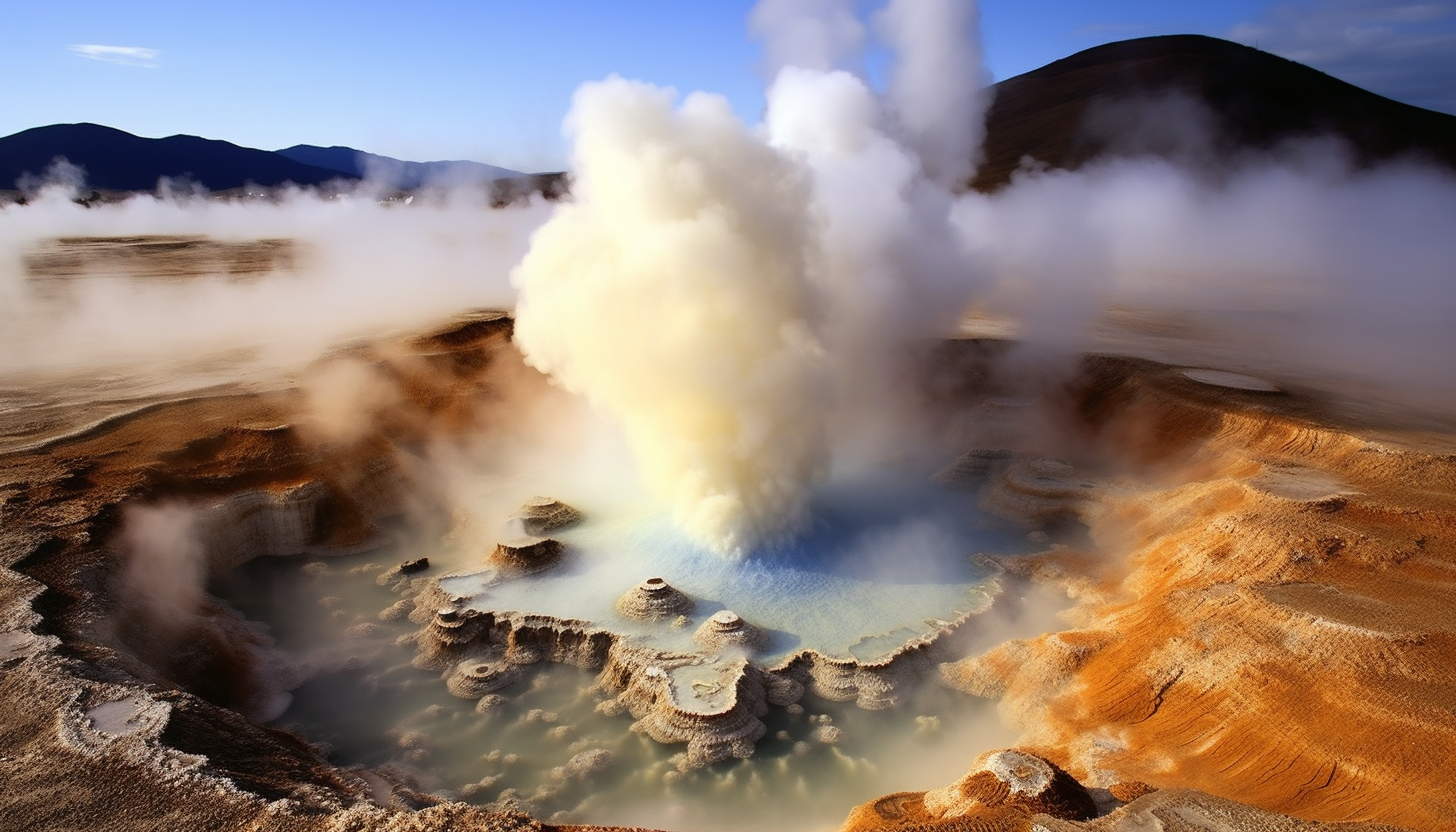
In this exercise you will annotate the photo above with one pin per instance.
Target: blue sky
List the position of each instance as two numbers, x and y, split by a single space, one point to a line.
491 80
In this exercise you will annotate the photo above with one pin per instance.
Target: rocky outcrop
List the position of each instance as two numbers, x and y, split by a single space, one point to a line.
873 685
1015 779
526 555
474 678
710 702
455 633
296 519
1003 790
252 524
410 567
712 707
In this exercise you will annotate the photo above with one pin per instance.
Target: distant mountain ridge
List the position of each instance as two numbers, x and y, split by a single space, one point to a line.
394 172
117 161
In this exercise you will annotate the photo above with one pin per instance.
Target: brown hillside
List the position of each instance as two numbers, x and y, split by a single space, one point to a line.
1193 98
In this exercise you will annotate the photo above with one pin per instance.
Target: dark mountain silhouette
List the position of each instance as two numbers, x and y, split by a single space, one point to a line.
1196 99
115 160
394 172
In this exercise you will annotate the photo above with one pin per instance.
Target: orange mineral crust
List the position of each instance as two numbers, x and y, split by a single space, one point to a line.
1280 634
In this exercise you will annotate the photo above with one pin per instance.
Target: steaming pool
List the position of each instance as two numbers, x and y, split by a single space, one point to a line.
880 567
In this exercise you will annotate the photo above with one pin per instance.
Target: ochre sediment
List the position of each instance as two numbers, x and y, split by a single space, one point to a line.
1003 790
1279 633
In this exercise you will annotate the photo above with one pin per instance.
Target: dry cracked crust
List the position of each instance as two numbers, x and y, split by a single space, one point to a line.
1278 636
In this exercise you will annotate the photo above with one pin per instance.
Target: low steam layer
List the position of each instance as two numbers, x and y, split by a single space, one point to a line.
1308 270
362 269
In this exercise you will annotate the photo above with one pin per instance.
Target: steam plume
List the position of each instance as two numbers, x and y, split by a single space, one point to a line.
938 88
672 294
721 292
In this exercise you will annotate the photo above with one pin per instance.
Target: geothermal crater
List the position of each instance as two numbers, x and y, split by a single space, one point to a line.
778 659
207 596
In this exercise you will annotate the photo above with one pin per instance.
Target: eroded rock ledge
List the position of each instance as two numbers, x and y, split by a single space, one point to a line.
711 701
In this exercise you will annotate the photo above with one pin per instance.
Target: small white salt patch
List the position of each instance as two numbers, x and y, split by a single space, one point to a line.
117 718
1236 381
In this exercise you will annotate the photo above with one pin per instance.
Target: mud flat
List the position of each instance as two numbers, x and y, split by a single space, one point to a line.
157 257
1260 637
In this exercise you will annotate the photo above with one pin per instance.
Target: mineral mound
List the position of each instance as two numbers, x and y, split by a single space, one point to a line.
654 600
725 629
526 555
542 515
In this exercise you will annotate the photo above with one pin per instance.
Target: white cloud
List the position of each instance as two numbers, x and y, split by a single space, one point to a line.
128 55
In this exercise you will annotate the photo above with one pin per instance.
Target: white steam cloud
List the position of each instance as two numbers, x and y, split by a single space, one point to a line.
1310 272
689 295
672 293
812 34
938 88
722 292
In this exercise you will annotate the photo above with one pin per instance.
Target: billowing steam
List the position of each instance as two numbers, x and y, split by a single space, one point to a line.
722 291
673 293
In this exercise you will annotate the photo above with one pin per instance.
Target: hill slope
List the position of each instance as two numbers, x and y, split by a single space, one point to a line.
115 160
1160 95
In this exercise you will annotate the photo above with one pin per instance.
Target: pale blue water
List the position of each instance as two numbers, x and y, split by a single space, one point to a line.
880 565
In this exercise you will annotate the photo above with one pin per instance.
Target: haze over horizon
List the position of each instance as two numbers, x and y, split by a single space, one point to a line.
492 83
